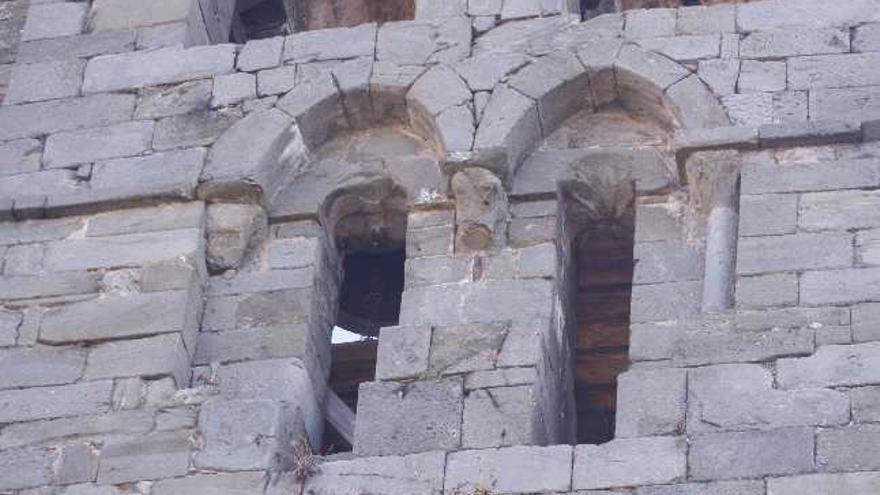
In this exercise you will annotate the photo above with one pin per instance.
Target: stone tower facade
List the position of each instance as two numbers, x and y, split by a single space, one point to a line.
637 254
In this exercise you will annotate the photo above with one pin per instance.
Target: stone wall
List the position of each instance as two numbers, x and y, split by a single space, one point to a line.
170 275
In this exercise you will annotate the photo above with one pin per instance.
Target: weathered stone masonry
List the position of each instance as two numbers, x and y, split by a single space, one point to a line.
175 212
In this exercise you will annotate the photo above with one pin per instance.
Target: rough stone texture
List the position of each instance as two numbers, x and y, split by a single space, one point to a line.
151 68
628 462
825 484
511 470
394 418
650 402
750 454
830 366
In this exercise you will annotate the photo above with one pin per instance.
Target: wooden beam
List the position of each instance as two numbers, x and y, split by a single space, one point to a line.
340 416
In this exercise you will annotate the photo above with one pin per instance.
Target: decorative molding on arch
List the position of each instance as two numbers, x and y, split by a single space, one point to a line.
537 99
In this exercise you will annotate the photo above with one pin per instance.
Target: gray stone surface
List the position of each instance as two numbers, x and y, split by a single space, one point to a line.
52 21
397 418
229 483
629 462
755 109
767 214
500 417
851 448
45 81
233 88
82 46
193 129
751 454
831 366
839 286
36 367
26 468
70 148
417 474
702 19
162 66
741 397
128 14
794 253
510 470
20 156
53 116
778 289
830 71
713 488
839 210
260 54
55 402
794 42
825 484
866 322
247 434
163 355
330 44
761 76
778 15
164 101
160 455
403 352
650 402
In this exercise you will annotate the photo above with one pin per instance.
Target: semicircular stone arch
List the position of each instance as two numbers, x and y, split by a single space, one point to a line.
535 101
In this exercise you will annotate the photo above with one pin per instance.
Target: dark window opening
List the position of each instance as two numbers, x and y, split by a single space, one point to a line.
256 19
370 238
604 260
323 14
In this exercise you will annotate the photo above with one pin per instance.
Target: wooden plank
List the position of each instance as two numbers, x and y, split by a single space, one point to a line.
340 416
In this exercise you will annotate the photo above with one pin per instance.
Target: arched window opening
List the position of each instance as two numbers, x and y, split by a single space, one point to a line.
369 231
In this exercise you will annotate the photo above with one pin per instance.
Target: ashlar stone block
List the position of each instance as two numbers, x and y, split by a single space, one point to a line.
711 488
650 402
55 402
45 81
628 462
243 483
260 54
510 470
794 252
35 367
233 88
501 417
130 14
54 20
825 484
163 355
397 418
71 148
107 318
832 366
403 352
242 434
156 456
48 117
751 454
851 448
154 67
839 286
26 468
739 397
417 474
